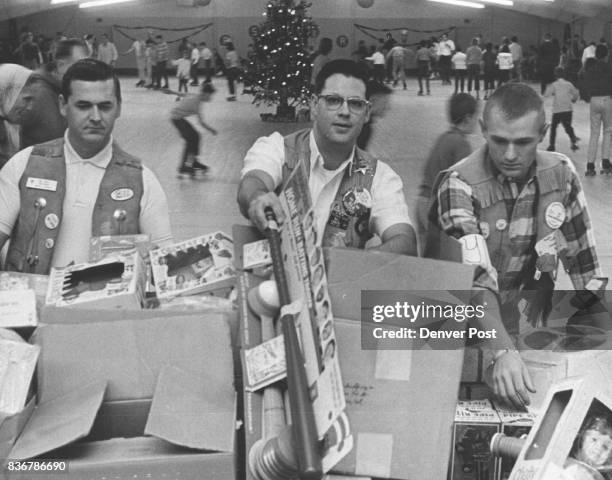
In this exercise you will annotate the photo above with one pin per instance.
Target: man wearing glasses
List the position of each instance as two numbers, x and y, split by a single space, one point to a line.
354 195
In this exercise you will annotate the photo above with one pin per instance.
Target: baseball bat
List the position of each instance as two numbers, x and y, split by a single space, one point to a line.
300 406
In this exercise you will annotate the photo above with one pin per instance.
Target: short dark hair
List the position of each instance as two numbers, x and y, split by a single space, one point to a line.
601 51
460 106
325 45
90 70
515 100
342 66
64 48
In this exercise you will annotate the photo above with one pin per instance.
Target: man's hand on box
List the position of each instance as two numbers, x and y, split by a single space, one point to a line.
511 380
258 206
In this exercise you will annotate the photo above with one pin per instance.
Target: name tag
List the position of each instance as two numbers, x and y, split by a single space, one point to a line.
41 184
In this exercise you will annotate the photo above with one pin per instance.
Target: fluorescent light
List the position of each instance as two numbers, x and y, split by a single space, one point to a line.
507 3
460 3
57 2
101 3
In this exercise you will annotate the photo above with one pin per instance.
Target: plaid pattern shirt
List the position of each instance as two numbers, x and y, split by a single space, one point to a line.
456 208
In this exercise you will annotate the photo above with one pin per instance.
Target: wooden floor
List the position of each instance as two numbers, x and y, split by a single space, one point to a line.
403 137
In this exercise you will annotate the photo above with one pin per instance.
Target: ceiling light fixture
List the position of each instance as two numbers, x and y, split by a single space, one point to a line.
507 3
57 2
460 3
101 3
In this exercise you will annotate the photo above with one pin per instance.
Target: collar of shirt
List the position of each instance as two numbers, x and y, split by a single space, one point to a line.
100 159
316 159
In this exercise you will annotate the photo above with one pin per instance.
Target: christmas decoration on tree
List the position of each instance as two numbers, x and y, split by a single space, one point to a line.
278 71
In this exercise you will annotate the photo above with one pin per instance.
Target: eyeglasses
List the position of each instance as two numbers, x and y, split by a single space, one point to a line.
355 104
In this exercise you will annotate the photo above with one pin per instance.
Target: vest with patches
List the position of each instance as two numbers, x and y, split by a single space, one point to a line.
349 218
552 176
36 230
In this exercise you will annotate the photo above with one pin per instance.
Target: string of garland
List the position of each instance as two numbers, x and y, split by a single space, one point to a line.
366 31
278 72
194 30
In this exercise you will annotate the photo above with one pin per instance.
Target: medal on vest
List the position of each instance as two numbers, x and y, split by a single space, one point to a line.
41 184
122 194
337 218
485 230
51 221
555 215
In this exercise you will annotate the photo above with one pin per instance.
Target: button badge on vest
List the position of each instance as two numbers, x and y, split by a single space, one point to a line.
122 194
501 224
357 201
555 215
51 221
49 243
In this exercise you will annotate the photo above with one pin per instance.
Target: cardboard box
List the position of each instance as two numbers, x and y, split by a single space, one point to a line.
476 421
513 424
113 282
145 399
201 264
399 431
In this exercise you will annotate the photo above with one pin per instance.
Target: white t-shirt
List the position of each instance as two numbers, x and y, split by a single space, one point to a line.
446 47
377 58
504 60
459 61
388 201
83 179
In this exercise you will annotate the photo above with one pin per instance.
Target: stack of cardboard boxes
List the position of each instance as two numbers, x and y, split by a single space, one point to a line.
123 392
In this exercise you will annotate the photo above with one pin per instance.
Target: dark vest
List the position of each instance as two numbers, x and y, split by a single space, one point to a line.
349 218
36 229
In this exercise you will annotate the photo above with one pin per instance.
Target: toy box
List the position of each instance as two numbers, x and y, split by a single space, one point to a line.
201 264
113 282
476 421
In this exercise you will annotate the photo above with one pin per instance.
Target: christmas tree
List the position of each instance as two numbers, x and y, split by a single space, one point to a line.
278 71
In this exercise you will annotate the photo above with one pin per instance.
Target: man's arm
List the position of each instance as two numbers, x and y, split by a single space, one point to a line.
456 217
399 238
261 174
582 262
255 195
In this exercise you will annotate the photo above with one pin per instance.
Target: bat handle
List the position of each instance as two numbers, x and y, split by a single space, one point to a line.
274 239
302 414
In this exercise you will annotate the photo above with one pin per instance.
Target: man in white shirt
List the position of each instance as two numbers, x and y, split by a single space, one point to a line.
107 52
588 52
56 195
354 195
446 48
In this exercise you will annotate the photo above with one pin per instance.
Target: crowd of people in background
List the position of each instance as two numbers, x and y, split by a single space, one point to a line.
476 69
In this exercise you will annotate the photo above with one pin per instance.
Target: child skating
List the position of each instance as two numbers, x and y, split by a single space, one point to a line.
192 105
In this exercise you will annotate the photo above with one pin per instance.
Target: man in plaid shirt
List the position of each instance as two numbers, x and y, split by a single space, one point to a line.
516 210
